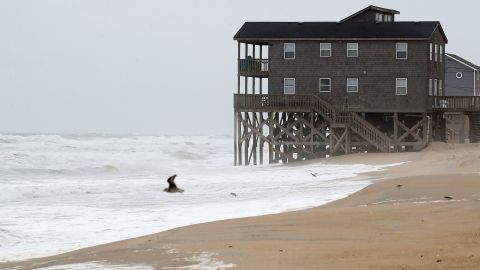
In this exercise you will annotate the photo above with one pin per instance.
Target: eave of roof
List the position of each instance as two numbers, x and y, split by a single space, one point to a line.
264 31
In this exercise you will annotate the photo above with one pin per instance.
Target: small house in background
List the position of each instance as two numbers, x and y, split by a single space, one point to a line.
462 79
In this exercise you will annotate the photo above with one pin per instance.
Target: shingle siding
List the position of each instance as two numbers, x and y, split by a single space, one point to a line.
376 67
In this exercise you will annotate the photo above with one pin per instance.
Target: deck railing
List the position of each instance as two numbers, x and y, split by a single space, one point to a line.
253 66
256 102
457 103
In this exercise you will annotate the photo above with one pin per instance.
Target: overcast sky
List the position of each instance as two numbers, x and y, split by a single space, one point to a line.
156 67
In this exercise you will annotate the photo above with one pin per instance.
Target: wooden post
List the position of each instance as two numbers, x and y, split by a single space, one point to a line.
270 136
255 136
239 132
461 132
238 67
235 140
261 79
395 130
332 140
260 130
247 140
348 141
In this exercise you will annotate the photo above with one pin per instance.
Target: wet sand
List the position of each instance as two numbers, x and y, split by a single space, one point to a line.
424 214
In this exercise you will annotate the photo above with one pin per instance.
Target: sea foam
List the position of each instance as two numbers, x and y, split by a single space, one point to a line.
60 193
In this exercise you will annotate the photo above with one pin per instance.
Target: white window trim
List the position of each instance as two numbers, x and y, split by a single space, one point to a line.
294 86
459 75
320 85
441 53
435 87
396 86
396 50
285 50
436 52
379 17
353 85
430 87
431 51
330 54
440 88
387 16
356 43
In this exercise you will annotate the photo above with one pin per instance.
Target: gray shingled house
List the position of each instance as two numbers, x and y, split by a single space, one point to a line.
316 89
462 78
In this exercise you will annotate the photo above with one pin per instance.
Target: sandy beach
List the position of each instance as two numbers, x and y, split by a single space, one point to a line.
423 214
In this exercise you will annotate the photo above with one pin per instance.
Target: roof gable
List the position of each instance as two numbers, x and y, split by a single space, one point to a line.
462 61
371 8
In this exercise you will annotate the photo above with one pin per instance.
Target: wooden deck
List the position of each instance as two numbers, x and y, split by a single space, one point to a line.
456 104
303 103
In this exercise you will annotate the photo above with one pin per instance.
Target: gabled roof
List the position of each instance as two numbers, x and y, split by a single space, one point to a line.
463 61
258 31
374 8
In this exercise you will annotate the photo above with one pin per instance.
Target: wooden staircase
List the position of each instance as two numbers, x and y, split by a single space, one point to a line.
355 122
307 103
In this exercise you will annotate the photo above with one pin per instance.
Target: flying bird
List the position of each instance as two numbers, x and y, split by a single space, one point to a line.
314 174
172 187
233 194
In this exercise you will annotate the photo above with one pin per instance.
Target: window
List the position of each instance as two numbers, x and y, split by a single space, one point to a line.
352 85
459 75
401 87
352 49
430 87
441 53
388 18
436 52
440 88
325 49
478 75
379 17
431 51
289 50
325 85
435 87
402 50
289 86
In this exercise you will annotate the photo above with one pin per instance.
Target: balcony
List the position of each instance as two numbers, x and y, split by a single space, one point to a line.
253 67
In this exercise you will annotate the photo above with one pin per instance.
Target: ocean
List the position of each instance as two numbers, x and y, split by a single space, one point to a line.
64 192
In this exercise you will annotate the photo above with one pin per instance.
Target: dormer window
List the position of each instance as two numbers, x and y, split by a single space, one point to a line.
379 17
388 18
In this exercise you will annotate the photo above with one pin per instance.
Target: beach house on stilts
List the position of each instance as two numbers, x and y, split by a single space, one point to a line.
315 89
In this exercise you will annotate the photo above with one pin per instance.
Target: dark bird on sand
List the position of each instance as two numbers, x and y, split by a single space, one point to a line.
399 186
448 198
314 174
233 194
172 187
